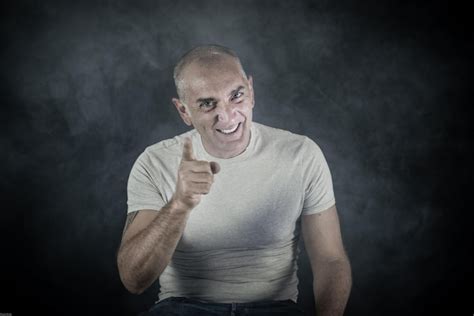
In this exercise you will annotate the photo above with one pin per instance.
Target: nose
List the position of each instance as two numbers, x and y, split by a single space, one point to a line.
225 112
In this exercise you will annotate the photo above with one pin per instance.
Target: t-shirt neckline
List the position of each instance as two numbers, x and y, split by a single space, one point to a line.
201 151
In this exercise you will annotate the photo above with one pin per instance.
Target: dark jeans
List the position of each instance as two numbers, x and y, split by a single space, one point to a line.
182 306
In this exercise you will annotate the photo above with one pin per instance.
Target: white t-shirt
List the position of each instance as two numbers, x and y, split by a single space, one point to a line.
240 243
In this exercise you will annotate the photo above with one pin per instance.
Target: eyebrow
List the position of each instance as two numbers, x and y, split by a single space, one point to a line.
213 99
205 100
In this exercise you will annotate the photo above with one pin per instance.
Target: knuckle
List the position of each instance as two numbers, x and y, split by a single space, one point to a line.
205 165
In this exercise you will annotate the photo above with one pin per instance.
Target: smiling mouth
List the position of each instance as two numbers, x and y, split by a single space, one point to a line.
229 131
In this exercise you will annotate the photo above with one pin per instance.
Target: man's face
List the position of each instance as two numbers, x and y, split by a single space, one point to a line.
218 102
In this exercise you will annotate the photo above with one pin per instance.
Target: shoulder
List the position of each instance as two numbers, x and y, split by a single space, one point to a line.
284 140
165 150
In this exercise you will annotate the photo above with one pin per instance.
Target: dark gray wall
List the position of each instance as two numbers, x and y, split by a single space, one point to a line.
381 86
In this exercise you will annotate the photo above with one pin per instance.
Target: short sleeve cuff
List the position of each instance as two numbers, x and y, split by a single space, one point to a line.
319 208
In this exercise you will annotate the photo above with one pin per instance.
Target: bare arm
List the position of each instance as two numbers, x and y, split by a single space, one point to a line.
148 243
150 237
329 263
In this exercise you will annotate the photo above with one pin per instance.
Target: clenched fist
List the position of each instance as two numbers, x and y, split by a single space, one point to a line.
195 178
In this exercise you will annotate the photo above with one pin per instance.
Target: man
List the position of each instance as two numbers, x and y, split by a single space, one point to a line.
216 213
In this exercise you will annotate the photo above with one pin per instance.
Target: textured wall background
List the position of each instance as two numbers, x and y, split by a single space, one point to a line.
381 86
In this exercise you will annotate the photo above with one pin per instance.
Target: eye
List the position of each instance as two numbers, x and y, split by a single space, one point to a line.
206 105
237 95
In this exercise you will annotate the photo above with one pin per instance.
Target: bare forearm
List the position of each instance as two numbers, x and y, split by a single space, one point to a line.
143 258
332 286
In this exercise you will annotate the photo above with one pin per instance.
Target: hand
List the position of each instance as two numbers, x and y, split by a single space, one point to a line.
195 178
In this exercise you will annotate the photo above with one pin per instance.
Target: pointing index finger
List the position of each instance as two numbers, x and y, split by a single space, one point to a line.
188 150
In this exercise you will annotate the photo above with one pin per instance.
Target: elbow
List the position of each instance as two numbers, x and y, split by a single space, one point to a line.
131 284
129 279
136 282
135 275
134 289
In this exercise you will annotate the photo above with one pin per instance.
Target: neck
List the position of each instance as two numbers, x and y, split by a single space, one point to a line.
230 153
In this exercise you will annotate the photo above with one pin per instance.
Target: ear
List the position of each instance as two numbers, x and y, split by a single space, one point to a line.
250 81
183 111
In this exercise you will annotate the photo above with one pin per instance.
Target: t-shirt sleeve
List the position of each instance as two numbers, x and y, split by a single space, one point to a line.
142 187
317 180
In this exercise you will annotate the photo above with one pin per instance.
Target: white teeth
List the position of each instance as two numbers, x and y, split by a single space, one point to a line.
228 131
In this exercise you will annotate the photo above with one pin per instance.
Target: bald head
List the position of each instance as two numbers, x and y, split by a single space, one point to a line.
207 56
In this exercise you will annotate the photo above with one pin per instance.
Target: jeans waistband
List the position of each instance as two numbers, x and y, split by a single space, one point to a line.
243 304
